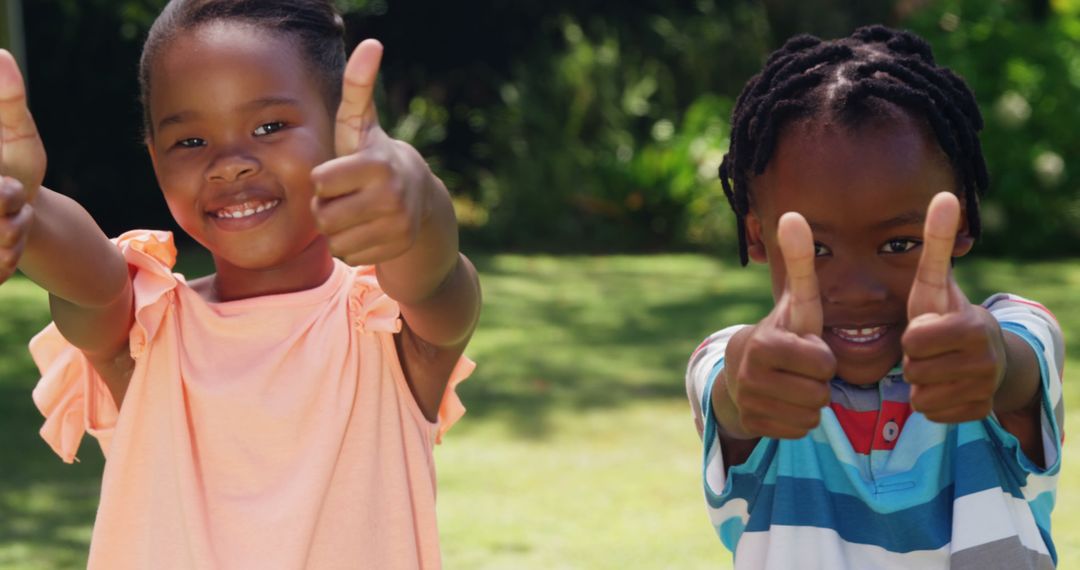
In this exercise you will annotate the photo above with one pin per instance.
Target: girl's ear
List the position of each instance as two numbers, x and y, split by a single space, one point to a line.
150 148
755 246
964 242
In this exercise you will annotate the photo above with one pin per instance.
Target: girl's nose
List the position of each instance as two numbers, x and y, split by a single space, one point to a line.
232 167
854 285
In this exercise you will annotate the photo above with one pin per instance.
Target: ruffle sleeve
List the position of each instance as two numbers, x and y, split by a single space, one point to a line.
452 409
374 311
71 395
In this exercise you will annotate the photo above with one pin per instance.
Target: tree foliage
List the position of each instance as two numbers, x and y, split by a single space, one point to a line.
586 125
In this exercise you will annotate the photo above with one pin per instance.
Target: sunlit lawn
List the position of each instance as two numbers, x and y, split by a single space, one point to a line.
578 450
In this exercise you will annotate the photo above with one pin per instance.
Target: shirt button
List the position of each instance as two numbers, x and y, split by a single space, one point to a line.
890 431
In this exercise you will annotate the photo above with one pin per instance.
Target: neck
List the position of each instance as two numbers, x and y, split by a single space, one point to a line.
311 268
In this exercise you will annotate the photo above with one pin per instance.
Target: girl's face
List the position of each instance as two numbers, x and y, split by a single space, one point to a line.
864 192
238 123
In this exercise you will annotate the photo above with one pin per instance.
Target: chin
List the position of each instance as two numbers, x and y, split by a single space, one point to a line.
863 374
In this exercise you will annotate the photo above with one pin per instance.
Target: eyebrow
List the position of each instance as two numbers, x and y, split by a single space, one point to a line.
912 217
176 119
255 105
265 102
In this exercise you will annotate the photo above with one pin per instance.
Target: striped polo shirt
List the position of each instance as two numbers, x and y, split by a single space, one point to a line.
877 485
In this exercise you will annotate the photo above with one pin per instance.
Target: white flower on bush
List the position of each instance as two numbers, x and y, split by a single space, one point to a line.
1049 168
1012 109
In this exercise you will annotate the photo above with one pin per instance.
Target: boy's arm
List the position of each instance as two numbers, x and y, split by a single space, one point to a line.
379 204
961 362
1033 347
775 375
736 444
1017 402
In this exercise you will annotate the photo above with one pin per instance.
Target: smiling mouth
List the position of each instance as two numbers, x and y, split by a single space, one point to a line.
245 210
860 335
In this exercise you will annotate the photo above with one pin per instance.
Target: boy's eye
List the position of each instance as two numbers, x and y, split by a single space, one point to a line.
191 143
269 128
820 250
900 245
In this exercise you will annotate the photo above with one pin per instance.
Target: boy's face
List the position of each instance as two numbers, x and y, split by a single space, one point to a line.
238 124
864 192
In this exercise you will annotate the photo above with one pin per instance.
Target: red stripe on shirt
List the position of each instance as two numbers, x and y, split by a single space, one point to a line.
865 431
859 426
1039 306
703 344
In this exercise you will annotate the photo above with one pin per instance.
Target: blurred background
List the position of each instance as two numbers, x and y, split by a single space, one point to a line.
581 140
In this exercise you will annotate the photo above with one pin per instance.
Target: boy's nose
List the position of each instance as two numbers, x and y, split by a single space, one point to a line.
854 285
232 167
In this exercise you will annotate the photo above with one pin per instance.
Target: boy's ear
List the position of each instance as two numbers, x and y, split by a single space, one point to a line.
964 242
755 246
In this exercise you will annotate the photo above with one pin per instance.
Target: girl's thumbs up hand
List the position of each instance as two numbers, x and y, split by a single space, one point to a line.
780 381
954 352
22 165
371 200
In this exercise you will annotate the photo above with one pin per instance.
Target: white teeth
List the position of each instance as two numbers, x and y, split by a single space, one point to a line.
246 209
860 335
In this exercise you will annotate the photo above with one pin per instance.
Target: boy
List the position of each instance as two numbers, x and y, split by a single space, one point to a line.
875 418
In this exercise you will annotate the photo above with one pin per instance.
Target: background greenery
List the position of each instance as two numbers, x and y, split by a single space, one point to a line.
571 127
582 125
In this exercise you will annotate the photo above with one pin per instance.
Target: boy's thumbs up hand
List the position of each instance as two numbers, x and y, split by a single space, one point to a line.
954 352
780 381
802 298
371 200
934 291
22 165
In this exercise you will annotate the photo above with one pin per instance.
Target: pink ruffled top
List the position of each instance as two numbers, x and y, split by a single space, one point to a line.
272 432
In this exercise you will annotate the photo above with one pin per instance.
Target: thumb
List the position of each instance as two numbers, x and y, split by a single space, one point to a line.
932 288
357 115
803 297
21 153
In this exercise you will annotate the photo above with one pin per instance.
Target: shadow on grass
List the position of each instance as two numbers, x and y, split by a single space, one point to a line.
46 507
558 335
572 334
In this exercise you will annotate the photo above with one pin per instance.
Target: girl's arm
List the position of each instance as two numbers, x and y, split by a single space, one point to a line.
379 204
438 291
58 245
89 287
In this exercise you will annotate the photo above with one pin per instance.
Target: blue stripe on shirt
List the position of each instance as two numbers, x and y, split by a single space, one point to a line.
806 502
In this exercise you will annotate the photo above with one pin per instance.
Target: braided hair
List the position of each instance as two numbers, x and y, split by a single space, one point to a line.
854 78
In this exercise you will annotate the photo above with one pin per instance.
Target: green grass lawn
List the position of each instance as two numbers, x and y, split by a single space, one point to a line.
578 450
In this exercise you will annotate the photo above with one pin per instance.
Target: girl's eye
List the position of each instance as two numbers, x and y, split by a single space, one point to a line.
269 128
821 250
900 245
191 143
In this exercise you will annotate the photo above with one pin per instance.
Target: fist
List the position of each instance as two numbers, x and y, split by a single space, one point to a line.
954 352
22 165
780 382
372 199
15 218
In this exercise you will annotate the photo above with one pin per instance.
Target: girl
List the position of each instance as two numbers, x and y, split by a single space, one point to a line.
281 412
875 418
